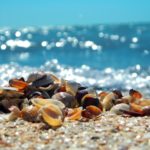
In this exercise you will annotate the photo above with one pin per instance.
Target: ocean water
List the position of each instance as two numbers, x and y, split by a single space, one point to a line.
103 56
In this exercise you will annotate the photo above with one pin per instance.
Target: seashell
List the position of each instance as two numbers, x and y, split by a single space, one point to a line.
132 113
74 114
30 113
146 110
40 102
54 78
91 112
145 102
136 107
82 91
66 98
107 102
31 92
90 99
117 108
19 84
7 89
43 81
118 93
52 115
72 87
9 98
15 113
122 100
33 77
135 94
50 90
102 95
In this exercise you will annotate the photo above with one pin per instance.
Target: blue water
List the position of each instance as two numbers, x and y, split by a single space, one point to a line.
104 56
99 46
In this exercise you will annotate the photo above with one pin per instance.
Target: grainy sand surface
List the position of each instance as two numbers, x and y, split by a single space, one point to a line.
108 132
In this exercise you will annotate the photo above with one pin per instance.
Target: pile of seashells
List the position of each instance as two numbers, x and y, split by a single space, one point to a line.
44 97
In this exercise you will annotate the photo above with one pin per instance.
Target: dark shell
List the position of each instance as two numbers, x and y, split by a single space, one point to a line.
43 81
90 101
132 113
146 110
31 92
34 76
118 93
65 98
80 94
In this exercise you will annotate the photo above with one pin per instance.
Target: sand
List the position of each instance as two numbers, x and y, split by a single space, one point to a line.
108 132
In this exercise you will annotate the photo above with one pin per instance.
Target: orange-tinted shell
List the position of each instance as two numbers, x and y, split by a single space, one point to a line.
136 108
52 115
135 94
19 84
74 114
93 110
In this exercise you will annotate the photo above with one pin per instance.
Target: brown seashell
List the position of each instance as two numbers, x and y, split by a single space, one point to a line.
136 107
86 114
15 113
90 99
30 113
93 110
102 95
132 113
135 94
40 102
146 110
118 93
74 114
144 102
52 115
82 91
66 98
108 101
72 87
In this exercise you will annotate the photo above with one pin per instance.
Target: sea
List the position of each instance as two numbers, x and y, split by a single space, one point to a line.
103 56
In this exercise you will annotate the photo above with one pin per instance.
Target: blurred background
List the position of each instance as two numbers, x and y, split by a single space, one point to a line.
103 43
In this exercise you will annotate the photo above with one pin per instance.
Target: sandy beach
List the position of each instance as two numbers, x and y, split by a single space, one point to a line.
108 132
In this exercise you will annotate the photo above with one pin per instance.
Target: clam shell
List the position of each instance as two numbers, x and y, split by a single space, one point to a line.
30 113
66 98
135 94
117 109
74 114
72 87
19 84
108 101
39 102
52 115
90 99
43 81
